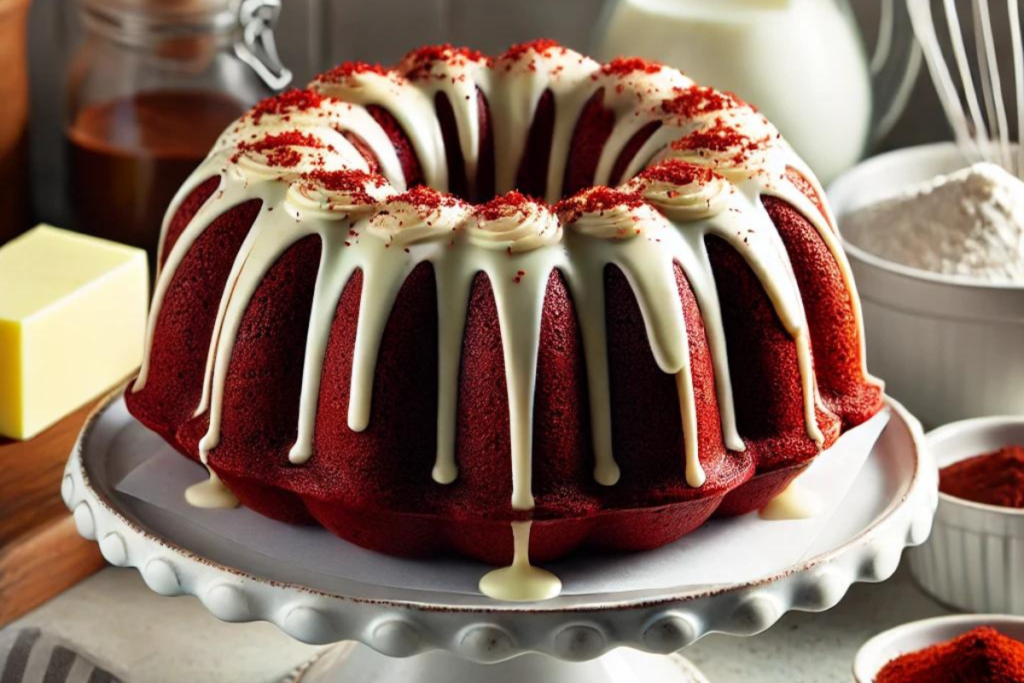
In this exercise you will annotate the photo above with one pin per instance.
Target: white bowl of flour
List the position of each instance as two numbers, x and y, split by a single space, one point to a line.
937 249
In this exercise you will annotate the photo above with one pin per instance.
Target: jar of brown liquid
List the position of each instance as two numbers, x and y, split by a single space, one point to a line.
14 170
151 89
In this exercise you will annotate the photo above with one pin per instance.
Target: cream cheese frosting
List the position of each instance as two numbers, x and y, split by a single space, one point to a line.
513 223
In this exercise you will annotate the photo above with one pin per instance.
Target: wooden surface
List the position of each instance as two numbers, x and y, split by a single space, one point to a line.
41 554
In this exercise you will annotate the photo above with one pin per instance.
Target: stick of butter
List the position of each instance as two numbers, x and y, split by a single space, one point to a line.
72 324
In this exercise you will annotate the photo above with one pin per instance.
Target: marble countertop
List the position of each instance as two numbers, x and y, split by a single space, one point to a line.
146 638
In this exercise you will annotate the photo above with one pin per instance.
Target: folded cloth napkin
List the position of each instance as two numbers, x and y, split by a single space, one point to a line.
31 656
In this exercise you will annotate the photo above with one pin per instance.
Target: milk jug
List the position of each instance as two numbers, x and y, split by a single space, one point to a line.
802 62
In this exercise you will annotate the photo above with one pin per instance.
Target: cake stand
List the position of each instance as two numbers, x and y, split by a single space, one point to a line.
455 637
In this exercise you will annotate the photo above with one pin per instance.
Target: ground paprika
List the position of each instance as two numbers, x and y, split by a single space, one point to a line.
994 478
980 656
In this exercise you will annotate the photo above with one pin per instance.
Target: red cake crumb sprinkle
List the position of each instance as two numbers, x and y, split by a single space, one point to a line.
597 200
279 148
352 182
418 64
624 66
504 206
721 137
426 199
697 100
288 102
344 72
679 172
541 46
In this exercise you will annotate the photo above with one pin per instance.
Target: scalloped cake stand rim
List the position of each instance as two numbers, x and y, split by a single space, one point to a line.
572 628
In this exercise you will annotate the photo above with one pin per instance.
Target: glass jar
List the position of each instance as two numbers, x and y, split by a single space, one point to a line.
14 171
150 90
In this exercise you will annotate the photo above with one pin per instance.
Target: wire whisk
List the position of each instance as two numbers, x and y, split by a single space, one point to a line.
970 87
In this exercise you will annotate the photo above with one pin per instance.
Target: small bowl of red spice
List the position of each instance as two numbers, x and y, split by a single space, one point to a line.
995 478
958 649
974 560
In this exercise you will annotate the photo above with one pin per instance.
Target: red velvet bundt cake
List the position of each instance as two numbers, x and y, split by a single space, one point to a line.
418 304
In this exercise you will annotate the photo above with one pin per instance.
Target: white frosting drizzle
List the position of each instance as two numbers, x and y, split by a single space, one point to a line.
515 88
517 250
454 75
412 108
650 269
629 97
825 226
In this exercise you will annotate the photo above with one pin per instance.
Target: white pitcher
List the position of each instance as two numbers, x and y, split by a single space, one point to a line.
801 62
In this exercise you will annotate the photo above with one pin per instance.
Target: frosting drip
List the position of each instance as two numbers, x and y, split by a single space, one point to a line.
521 581
793 503
211 494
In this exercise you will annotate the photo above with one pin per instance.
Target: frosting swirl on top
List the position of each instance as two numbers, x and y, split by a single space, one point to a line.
291 110
682 190
635 84
287 106
292 153
419 215
350 73
361 83
338 193
698 102
735 143
515 223
546 59
439 61
605 213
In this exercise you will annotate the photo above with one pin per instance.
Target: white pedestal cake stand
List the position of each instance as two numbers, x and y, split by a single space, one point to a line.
457 637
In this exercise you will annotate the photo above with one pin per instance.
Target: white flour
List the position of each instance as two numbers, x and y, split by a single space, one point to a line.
968 223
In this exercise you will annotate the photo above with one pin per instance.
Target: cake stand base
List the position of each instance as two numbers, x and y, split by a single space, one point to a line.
354 663
446 635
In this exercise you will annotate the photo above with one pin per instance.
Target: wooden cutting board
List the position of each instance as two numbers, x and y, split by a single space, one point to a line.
41 553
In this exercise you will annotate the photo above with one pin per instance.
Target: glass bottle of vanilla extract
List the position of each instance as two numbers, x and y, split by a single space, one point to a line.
152 87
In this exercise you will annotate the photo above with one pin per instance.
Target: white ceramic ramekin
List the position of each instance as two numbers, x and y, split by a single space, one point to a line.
918 635
948 347
974 560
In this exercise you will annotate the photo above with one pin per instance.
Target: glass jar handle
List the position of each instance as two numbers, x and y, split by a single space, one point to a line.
256 46
894 66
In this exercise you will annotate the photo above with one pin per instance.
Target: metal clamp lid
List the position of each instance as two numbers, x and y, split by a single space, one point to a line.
257 47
